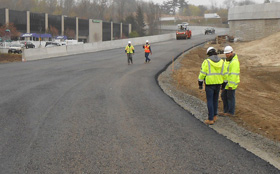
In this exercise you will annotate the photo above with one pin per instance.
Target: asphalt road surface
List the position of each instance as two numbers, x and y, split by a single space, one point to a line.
93 113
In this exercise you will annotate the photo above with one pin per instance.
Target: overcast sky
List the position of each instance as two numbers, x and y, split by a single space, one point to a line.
207 2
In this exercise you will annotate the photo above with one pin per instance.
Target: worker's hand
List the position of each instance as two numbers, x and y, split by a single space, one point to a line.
200 83
223 85
230 88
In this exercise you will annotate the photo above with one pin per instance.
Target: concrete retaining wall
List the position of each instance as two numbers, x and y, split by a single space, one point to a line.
253 22
43 53
4 50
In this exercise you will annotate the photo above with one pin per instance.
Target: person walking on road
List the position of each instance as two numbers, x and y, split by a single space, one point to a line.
148 50
129 50
233 79
213 74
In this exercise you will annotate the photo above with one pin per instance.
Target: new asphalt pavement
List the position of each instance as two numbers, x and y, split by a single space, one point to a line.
93 113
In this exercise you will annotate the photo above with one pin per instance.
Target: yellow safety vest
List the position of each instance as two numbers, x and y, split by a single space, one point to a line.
233 73
129 49
214 73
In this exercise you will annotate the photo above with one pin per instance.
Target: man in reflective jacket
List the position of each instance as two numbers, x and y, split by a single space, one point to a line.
129 50
213 74
233 79
148 50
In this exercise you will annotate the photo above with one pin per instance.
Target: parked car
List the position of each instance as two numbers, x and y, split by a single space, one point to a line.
16 48
28 44
209 31
52 44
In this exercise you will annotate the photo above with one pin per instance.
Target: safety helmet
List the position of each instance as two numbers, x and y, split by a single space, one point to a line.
210 49
228 49
147 41
129 42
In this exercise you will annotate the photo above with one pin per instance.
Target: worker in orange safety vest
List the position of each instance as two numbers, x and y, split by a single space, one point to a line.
148 50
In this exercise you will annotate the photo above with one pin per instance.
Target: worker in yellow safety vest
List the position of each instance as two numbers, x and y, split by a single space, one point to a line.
129 50
233 79
148 50
213 74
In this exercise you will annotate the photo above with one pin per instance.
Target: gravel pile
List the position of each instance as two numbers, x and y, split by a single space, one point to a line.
266 149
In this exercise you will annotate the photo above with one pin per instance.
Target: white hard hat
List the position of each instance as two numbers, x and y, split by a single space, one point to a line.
129 42
228 49
147 41
210 48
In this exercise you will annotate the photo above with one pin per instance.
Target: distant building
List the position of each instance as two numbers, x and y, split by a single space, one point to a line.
169 19
211 16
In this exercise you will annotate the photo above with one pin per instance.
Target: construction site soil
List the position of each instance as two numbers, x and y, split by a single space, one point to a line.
6 58
257 96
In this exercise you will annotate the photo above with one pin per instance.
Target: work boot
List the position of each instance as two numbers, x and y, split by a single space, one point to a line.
209 122
222 114
229 115
215 118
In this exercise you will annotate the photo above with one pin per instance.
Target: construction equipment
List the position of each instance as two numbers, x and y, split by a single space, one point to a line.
183 32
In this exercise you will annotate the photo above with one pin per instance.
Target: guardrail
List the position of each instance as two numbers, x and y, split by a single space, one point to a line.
43 53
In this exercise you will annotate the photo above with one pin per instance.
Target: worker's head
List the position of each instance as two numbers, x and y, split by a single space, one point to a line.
228 51
147 42
211 51
129 42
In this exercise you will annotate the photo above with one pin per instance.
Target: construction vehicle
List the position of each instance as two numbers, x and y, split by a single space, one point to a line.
183 32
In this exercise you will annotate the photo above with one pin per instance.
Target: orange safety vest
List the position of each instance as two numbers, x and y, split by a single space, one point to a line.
147 49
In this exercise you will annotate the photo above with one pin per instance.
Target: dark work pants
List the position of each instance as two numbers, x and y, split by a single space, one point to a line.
228 97
147 57
129 58
212 96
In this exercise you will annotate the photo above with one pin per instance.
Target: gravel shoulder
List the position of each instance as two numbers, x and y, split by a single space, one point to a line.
259 145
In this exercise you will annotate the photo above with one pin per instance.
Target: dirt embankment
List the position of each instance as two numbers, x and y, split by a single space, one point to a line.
5 58
257 96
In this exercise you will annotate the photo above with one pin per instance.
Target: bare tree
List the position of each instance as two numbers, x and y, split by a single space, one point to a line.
246 2
153 14
51 5
120 4
68 5
230 3
169 7
12 31
214 5
53 31
101 8
83 9
140 21
182 6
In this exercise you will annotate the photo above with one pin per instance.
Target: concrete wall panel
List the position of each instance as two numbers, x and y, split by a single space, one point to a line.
42 53
253 22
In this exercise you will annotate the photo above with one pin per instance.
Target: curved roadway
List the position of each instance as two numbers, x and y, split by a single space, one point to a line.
92 113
